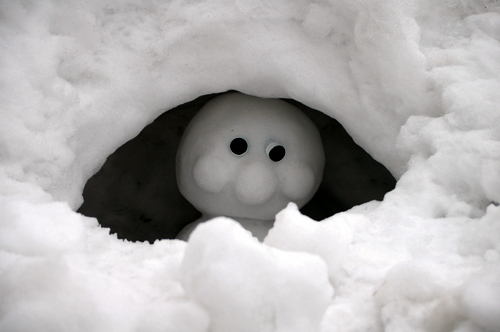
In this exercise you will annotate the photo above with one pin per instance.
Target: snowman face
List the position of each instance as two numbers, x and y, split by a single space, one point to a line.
247 157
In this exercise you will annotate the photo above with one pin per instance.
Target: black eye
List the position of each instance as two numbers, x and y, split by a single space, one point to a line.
275 152
238 146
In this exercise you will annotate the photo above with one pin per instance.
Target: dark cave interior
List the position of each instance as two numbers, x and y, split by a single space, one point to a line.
135 192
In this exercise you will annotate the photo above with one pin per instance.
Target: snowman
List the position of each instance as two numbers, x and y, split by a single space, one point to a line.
246 158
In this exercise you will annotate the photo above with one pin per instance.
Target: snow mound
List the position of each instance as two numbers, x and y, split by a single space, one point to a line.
246 286
415 83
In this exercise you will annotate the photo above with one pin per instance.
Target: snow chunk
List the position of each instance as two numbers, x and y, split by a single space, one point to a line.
481 299
40 229
414 297
248 286
295 232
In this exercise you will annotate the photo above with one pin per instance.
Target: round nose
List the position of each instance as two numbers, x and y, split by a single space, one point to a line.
255 183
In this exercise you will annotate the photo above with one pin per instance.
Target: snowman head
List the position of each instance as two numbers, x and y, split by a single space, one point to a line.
248 157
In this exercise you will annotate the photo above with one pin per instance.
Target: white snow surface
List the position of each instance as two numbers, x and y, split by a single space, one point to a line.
415 83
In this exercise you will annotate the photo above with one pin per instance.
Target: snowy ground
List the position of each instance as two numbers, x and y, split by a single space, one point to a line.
415 83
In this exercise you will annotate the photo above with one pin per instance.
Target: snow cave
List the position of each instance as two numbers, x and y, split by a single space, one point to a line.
402 235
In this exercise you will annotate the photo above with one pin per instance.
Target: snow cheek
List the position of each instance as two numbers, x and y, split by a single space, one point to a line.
298 180
211 173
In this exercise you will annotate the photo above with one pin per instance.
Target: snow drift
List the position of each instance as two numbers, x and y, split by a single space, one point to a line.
416 84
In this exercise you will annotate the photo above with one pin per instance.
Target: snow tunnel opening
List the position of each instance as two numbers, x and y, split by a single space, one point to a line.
135 192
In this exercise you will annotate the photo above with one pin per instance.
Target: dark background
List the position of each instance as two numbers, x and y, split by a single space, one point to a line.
135 192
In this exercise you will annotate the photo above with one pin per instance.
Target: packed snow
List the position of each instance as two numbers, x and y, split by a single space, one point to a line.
246 158
415 83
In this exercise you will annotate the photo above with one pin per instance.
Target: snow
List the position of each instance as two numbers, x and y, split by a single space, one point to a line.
481 300
414 83
246 286
245 183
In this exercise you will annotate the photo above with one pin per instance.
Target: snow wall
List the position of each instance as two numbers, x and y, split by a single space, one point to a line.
415 83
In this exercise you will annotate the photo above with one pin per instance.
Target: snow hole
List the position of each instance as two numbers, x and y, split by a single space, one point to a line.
135 192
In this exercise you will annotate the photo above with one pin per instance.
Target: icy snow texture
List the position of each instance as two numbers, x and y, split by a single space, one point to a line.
416 83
